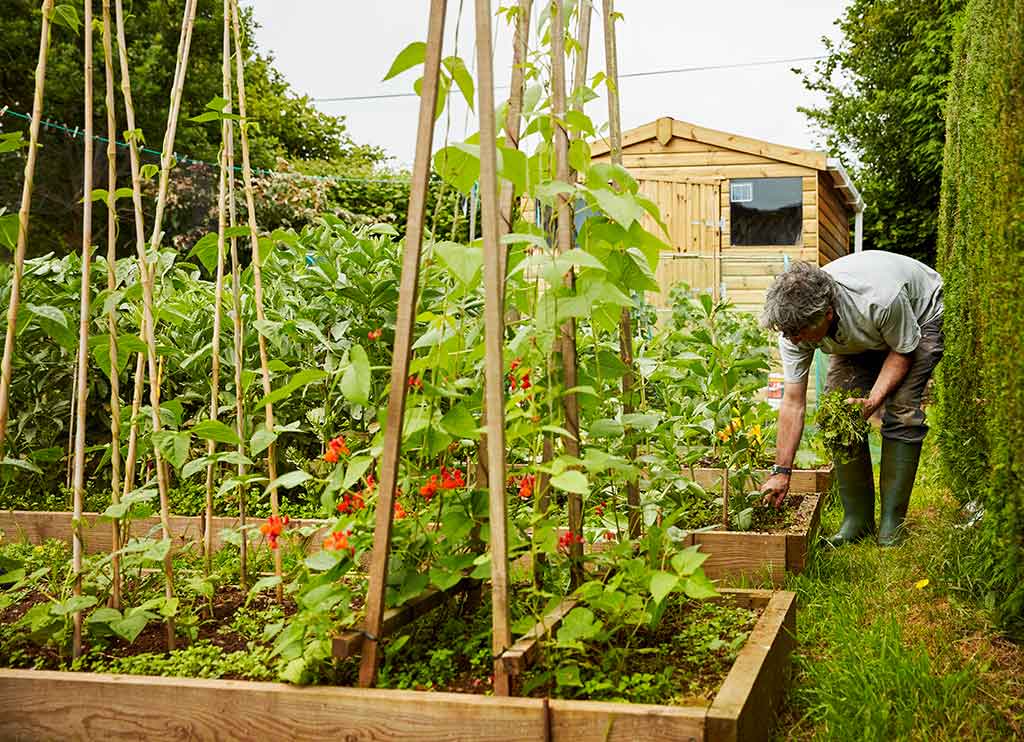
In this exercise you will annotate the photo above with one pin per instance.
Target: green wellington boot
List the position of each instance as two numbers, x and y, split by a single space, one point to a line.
856 481
896 481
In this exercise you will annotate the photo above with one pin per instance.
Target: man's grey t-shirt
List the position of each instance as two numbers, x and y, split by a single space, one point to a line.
881 302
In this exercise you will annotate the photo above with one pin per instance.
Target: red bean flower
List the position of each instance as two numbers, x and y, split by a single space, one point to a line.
567 539
451 479
338 541
374 334
526 484
335 448
350 503
399 511
415 383
272 529
430 488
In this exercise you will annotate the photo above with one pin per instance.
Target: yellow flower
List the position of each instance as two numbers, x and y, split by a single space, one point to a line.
737 424
754 431
922 584
724 434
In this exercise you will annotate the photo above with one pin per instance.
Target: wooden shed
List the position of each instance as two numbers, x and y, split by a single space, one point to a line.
738 210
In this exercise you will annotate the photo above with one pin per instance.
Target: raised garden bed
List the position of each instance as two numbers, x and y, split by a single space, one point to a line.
802 481
35 527
104 706
754 555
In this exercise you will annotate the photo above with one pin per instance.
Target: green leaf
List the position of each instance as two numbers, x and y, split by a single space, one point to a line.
699 587
15 575
457 167
9 231
460 423
688 561
571 481
568 675
264 583
67 16
149 171
215 430
662 583
260 440
579 155
355 382
11 142
20 464
356 469
606 428
129 627
173 445
299 379
462 77
104 614
513 166
408 58
207 249
323 560
74 604
623 208
289 480
463 262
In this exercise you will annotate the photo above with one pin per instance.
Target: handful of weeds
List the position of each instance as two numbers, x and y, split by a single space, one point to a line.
841 426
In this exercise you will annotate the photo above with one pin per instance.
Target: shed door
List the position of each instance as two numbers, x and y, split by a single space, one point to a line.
692 213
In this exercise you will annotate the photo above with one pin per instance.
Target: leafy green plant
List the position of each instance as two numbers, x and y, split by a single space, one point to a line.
841 425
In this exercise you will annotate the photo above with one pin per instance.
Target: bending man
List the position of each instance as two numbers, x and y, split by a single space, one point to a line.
879 316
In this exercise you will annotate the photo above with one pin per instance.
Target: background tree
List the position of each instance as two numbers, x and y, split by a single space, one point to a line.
885 85
290 127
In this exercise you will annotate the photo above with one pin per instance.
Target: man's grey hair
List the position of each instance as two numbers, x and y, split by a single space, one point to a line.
798 298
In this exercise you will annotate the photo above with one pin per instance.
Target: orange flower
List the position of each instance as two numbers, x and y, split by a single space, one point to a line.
335 448
399 511
272 529
374 334
331 457
451 478
351 502
338 541
430 488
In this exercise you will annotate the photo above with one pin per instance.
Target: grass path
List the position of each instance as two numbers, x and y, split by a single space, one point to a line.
889 647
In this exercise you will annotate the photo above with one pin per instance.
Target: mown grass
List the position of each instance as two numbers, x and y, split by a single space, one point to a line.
882 655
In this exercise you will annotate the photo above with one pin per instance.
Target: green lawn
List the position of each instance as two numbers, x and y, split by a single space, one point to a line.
890 647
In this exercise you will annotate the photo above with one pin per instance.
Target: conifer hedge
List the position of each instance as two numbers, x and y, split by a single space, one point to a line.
981 256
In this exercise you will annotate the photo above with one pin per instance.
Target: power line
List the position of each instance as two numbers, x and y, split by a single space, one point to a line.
649 73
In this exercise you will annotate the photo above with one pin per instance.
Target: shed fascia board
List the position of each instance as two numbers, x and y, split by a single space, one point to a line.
686 130
844 184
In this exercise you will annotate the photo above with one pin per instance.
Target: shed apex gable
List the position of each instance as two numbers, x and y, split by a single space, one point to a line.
665 128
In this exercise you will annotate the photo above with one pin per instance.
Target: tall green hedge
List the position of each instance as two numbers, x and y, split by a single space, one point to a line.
981 256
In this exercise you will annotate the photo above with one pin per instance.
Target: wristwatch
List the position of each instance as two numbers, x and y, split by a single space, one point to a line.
776 469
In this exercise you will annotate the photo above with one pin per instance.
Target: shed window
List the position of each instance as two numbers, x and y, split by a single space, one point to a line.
766 211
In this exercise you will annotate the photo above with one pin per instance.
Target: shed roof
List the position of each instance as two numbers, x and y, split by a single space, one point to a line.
665 128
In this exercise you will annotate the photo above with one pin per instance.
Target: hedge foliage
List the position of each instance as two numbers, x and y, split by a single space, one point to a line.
981 256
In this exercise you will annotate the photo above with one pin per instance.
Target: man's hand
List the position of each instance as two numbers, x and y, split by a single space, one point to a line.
868 406
775 489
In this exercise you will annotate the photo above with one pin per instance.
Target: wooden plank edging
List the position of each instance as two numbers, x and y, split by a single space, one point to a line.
803 481
747 703
95 706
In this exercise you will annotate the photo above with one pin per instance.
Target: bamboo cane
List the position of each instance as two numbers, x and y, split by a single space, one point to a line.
7 364
494 340
82 376
568 339
115 390
582 54
145 274
404 326
236 304
211 445
625 323
133 427
257 276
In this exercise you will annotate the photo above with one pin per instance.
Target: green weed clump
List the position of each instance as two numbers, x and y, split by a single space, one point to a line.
841 426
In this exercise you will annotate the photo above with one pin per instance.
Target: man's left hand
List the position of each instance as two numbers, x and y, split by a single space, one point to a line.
868 406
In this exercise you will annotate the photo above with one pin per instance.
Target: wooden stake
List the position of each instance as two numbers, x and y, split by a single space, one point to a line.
145 273
133 426
257 276
211 445
582 54
115 390
236 292
513 120
404 326
494 318
7 364
565 227
82 375
625 323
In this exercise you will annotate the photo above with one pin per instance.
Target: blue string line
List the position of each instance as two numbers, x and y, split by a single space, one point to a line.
189 161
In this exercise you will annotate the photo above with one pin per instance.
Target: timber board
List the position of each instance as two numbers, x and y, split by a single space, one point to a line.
35 527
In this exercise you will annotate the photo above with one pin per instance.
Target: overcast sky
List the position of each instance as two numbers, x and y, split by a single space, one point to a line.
330 49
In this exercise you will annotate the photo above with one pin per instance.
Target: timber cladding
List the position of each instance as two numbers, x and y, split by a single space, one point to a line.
88 706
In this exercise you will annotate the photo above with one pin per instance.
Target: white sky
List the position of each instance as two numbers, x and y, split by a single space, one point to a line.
327 48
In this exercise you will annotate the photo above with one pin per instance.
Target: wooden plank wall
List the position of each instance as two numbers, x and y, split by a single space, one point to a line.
833 221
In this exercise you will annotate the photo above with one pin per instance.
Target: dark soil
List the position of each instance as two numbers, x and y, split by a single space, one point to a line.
794 515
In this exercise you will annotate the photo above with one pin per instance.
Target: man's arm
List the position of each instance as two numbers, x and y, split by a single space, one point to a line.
791 427
894 370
